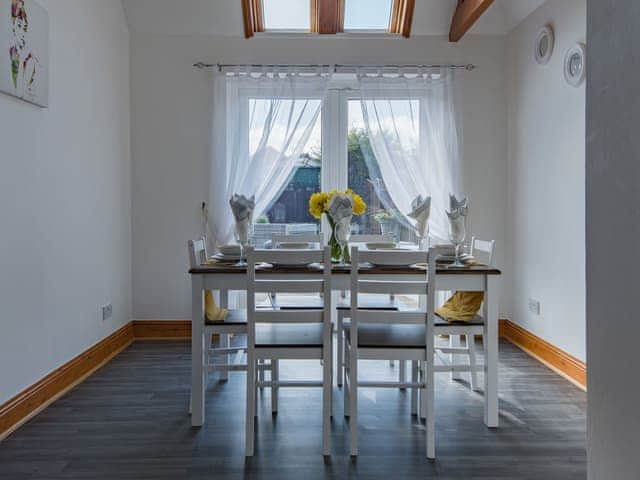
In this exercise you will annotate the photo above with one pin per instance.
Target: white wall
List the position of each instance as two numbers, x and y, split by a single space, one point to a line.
170 132
613 225
546 155
65 197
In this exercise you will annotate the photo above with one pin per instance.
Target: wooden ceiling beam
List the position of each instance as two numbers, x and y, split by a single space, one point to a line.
467 14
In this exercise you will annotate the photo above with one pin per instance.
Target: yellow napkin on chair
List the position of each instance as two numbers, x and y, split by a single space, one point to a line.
213 312
461 307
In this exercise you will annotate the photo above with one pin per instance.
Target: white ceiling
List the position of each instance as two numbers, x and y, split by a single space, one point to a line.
224 17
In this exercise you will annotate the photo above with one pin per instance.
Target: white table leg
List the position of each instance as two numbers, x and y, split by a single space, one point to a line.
197 352
491 353
225 340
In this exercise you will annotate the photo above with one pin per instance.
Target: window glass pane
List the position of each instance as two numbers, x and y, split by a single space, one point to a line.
287 14
289 213
364 177
367 14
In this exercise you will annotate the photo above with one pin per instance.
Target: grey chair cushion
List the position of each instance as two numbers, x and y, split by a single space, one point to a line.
294 335
379 302
398 336
235 317
299 302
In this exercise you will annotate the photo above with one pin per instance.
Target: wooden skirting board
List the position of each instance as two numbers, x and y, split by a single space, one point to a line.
38 396
556 359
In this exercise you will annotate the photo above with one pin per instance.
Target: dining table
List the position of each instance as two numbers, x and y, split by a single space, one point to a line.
225 277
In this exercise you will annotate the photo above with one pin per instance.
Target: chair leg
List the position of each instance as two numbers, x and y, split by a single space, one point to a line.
261 371
403 373
454 342
347 379
471 345
224 343
327 386
423 394
251 400
340 362
275 378
430 410
414 390
353 401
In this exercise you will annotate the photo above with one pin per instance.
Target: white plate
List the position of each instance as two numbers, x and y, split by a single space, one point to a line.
229 250
226 258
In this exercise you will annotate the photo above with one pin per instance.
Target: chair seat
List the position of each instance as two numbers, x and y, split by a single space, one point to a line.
398 335
235 317
478 321
298 302
379 302
284 335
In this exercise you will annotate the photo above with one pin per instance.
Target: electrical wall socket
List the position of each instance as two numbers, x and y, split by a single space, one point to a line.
107 312
534 306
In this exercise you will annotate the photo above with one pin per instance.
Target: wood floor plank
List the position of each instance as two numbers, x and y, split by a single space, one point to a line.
130 421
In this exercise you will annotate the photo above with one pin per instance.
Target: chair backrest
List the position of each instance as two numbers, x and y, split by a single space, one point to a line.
387 237
313 238
197 252
483 250
423 286
390 287
298 280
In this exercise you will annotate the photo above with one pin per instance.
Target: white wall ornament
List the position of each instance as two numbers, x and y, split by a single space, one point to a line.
544 45
575 65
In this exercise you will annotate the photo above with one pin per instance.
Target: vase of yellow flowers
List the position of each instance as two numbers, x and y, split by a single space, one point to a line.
339 207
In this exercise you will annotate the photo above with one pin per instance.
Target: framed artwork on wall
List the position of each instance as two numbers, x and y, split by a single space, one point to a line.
24 51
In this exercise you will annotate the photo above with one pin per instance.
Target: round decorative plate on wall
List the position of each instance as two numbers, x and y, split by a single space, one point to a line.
544 45
575 65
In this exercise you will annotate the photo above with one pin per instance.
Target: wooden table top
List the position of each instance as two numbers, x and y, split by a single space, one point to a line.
442 269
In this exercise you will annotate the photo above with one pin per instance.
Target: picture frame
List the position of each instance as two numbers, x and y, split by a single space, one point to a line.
24 51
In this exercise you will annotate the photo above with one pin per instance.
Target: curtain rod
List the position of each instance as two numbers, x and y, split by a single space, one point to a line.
336 68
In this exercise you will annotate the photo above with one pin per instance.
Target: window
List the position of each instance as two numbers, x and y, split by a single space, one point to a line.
337 154
364 176
367 14
286 15
328 16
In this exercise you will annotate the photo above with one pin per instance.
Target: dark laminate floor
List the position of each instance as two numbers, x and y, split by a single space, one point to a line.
129 421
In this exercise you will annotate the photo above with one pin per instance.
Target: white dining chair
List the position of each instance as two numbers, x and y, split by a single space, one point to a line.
288 334
234 324
371 302
482 251
391 335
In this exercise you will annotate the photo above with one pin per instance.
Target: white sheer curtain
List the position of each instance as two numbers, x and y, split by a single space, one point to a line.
262 122
414 135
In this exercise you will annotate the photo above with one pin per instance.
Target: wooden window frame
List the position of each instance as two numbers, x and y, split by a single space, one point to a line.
253 17
327 17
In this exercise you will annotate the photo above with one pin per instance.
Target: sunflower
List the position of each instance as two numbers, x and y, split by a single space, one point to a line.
318 204
359 206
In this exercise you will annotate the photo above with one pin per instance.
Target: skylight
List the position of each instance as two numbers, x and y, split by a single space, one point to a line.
287 15
367 14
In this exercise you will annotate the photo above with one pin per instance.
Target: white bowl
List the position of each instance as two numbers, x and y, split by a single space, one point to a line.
294 245
229 250
381 245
